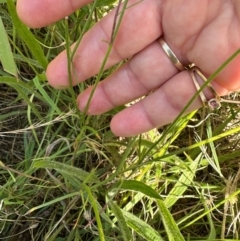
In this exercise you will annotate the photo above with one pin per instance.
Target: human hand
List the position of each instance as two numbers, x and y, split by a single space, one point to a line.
204 32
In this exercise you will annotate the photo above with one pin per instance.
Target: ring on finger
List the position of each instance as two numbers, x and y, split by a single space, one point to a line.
214 103
171 55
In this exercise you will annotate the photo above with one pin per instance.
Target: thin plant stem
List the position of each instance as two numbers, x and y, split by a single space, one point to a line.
115 21
102 68
86 26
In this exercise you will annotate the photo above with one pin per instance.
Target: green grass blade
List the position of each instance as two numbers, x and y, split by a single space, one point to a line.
6 55
171 227
46 96
69 170
27 36
214 162
183 183
137 187
92 200
101 3
122 162
121 222
141 227
198 144
21 88
52 202
218 239
212 232
233 195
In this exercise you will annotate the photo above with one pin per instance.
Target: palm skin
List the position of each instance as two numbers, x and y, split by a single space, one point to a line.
204 32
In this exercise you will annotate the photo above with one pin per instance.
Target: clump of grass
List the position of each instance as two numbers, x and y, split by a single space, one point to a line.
65 176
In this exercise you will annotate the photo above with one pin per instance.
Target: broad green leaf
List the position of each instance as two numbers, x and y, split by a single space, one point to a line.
171 228
101 3
141 227
10 201
27 36
121 222
6 55
137 186
183 183
70 170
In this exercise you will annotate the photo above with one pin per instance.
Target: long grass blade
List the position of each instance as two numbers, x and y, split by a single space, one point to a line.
183 183
121 222
6 55
141 227
137 186
96 212
52 202
171 227
69 170
27 36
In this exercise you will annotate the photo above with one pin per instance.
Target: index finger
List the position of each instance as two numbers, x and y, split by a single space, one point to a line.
138 29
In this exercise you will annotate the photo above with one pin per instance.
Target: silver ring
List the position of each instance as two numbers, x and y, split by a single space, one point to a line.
214 103
171 55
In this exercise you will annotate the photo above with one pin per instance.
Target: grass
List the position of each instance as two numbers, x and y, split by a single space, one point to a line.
66 177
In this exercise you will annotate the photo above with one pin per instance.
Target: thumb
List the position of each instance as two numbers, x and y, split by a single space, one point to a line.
39 13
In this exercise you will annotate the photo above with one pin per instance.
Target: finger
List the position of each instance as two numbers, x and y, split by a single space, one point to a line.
142 74
135 34
159 108
39 13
